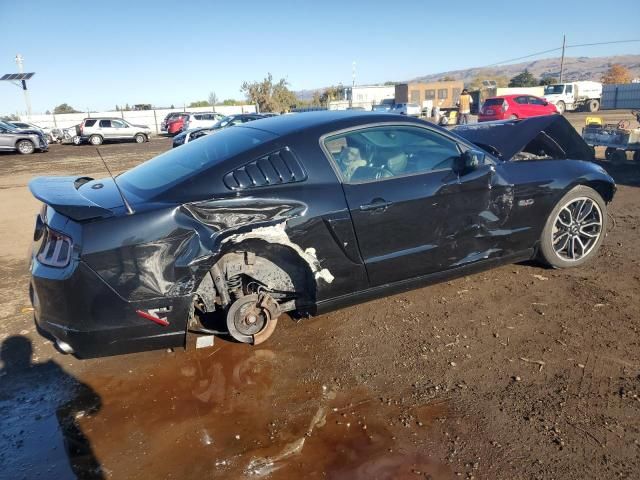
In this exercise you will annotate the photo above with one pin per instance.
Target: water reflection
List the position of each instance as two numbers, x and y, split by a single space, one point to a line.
40 408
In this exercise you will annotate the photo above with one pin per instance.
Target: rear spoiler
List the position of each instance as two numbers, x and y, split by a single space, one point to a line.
61 193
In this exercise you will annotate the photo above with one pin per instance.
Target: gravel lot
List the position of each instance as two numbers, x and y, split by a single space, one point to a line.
517 373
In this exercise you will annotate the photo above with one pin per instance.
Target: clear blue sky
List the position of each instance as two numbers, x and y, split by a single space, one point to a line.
98 54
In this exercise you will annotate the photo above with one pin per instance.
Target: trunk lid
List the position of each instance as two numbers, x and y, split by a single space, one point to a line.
79 198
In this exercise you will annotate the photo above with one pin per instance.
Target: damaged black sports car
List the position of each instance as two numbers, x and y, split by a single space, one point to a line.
303 214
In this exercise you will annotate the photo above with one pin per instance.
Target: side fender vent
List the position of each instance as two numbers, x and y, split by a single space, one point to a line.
277 168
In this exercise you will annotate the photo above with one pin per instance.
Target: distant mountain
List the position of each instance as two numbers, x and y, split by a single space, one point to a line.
575 68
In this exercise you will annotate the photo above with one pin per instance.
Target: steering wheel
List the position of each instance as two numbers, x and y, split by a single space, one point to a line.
624 124
383 172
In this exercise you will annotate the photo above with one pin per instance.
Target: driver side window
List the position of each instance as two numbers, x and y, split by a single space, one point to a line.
378 153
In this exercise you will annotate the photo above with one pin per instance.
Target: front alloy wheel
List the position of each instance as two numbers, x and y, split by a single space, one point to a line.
25 147
577 228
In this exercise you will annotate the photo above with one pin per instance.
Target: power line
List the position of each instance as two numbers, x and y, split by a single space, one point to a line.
560 48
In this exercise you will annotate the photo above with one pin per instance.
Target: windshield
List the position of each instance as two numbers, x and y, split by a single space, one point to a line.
159 174
223 122
553 89
7 126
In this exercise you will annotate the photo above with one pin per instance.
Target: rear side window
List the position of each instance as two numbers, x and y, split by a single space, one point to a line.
89 123
105 123
521 100
157 175
493 101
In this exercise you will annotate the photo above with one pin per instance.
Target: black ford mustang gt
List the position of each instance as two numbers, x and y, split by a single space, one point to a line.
303 214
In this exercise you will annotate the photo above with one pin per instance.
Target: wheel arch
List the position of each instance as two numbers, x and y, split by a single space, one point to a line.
277 267
604 188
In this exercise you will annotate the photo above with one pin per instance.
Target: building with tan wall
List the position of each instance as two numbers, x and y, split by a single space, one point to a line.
440 94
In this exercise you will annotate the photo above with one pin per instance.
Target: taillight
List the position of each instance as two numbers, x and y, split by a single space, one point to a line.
55 249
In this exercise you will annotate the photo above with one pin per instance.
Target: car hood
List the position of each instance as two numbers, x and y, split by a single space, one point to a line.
507 138
29 131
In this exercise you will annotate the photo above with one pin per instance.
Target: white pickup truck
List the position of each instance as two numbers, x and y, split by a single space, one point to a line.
574 96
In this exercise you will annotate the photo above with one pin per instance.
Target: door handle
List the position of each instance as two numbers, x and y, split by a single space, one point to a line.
376 204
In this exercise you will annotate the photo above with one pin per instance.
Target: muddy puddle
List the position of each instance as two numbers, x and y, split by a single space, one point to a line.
231 411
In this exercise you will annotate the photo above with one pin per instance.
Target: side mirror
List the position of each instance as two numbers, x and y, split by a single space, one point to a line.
468 161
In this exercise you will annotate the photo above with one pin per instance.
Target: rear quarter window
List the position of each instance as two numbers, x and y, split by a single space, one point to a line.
150 179
89 123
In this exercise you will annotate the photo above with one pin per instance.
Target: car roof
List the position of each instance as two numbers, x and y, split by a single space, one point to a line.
285 124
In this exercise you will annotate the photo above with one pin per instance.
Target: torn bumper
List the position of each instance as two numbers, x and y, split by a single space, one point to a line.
77 307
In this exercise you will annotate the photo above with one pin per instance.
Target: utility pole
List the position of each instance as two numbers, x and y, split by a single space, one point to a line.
353 82
564 41
27 100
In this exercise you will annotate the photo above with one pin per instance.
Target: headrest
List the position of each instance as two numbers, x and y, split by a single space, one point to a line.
398 163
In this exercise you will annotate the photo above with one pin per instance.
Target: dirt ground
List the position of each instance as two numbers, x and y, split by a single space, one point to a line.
517 373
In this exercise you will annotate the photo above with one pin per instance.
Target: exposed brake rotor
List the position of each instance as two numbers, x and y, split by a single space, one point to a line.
253 318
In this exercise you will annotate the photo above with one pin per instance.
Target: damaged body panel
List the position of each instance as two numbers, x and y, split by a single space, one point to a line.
300 214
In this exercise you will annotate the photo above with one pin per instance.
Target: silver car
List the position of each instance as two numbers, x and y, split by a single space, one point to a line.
98 130
23 141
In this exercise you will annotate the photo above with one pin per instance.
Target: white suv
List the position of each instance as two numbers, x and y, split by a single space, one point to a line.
411 109
201 120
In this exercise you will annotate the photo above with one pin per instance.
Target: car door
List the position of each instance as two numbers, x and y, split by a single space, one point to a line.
413 215
120 129
522 106
105 128
537 106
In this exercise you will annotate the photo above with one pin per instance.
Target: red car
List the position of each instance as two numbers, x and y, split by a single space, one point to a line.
514 106
174 125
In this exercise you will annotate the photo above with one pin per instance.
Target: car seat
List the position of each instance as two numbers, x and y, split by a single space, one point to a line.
349 160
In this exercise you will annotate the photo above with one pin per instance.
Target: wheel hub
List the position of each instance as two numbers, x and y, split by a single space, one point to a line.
252 318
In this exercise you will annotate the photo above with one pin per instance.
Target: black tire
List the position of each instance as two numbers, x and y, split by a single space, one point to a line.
95 140
513 117
547 253
140 138
618 157
592 106
608 152
76 140
25 147
561 107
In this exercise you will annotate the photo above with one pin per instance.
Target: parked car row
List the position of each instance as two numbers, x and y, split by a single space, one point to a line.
187 136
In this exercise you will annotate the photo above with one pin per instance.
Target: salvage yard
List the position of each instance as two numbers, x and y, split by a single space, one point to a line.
520 372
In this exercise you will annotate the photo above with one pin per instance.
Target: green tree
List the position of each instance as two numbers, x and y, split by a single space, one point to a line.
231 102
64 108
10 118
127 107
213 99
269 96
199 103
172 107
524 79
544 81
316 99
48 112
477 82
332 93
